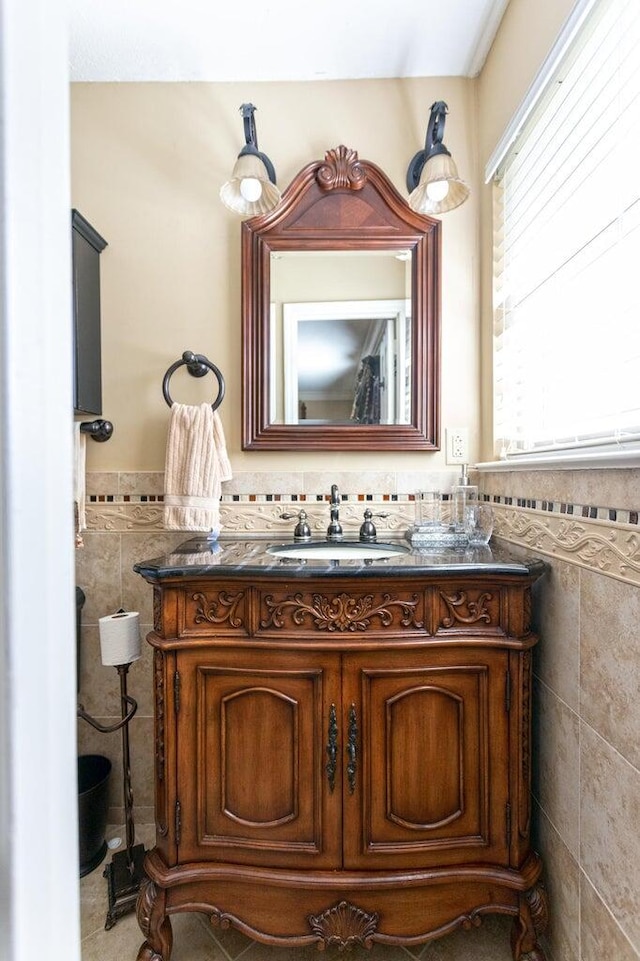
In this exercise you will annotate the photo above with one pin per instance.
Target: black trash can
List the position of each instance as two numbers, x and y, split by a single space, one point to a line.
93 805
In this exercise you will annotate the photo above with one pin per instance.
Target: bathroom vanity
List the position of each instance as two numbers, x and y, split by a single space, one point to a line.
342 747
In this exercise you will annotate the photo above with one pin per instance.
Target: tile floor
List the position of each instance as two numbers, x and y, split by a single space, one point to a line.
195 940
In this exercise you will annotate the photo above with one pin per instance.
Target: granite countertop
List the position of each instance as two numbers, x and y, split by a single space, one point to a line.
231 556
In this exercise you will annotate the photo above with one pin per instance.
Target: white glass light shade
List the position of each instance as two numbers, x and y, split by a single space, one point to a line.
249 167
438 169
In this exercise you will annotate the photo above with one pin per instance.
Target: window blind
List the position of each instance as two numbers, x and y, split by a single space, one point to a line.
567 251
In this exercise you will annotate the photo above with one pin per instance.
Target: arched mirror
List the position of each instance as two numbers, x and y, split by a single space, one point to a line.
341 315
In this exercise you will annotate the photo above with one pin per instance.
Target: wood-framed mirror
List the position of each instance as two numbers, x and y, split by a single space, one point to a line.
341 315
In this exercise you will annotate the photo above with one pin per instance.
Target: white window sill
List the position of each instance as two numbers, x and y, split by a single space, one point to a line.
570 460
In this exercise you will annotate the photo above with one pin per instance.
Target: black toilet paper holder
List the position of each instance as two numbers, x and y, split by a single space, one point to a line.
125 872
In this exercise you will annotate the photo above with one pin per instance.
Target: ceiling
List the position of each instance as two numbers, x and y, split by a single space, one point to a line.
279 40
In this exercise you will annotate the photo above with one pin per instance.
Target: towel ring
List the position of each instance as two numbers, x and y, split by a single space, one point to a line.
197 365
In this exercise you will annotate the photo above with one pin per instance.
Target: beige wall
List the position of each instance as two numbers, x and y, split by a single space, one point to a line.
148 161
526 34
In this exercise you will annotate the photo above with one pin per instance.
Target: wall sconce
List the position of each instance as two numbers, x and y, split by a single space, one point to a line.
251 189
432 178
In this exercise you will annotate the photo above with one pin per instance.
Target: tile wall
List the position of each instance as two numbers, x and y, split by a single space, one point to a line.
587 728
587 709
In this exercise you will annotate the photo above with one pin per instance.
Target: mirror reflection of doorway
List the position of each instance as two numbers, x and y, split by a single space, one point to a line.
345 362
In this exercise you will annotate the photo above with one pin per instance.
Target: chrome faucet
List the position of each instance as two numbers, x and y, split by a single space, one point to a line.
302 531
334 530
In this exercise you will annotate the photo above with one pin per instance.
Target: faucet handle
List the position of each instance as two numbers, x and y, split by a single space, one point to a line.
302 531
368 530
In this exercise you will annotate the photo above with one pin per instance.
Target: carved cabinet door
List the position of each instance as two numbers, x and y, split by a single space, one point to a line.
428 735
252 779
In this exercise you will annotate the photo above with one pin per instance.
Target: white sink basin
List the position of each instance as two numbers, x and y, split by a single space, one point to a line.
340 550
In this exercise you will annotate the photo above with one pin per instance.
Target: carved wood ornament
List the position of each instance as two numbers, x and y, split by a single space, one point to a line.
157 611
159 725
153 922
342 612
341 169
344 926
224 607
530 924
525 753
463 610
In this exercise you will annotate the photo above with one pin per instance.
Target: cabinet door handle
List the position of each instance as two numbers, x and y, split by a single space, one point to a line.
332 748
352 751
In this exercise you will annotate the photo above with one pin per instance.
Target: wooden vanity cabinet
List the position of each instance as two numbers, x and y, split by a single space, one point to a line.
343 761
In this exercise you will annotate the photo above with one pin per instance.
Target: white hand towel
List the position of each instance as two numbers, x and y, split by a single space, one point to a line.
79 482
196 464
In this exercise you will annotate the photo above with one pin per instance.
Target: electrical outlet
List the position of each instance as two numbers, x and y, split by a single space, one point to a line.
457 445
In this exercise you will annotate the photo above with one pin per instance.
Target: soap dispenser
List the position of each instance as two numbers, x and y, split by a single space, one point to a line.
463 496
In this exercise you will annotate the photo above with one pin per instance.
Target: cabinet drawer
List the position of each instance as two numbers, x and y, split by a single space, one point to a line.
341 612
463 609
212 611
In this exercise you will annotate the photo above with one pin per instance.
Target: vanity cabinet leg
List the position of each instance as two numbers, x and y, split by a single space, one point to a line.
154 924
530 925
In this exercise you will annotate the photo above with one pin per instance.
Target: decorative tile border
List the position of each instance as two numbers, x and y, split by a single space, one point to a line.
263 517
305 499
587 512
608 547
121 516
256 513
124 499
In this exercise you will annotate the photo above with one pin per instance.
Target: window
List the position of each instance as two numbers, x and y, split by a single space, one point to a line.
567 246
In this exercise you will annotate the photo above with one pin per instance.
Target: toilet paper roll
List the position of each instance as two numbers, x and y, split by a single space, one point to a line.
120 638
